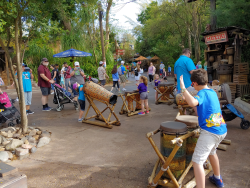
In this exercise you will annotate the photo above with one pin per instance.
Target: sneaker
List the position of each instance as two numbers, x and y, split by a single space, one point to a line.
29 112
123 89
80 120
52 93
217 182
141 113
147 112
46 109
50 108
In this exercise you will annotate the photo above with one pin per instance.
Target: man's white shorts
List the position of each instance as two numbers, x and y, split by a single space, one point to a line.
206 145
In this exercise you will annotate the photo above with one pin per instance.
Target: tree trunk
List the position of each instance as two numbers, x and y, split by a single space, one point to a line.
92 44
24 120
11 67
101 32
107 25
189 39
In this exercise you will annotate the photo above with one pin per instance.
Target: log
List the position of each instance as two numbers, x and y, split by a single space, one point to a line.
225 141
222 147
98 124
187 135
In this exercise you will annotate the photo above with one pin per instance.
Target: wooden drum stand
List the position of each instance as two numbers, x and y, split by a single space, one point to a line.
130 97
165 162
165 90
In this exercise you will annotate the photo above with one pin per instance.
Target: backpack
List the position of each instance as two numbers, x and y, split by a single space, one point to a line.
136 72
119 70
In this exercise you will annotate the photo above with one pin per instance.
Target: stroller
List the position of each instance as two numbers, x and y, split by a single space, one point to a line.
8 111
61 97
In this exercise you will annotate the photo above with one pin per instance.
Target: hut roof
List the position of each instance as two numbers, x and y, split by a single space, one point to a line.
141 58
155 58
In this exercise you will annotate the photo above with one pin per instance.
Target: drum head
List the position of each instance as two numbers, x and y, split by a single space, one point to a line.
171 127
190 121
166 84
226 93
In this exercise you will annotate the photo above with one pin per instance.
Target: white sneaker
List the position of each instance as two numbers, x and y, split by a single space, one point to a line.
52 93
123 89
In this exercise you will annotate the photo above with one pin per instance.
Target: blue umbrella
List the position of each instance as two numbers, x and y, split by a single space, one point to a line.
72 53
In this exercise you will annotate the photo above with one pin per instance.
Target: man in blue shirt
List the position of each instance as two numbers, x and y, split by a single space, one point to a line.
27 87
184 66
122 76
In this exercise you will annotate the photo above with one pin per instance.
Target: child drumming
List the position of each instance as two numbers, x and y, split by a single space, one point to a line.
156 81
212 124
164 74
81 101
143 91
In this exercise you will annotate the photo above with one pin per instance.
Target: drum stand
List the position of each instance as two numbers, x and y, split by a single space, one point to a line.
125 109
164 163
99 114
170 90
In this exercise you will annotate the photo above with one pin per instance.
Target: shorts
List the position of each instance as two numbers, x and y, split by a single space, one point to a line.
28 97
161 71
123 78
82 104
206 145
144 95
45 91
103 82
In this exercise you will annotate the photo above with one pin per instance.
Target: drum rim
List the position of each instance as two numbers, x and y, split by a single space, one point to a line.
169 131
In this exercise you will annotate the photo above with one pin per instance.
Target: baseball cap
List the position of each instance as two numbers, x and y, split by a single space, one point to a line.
161 62
101 63
45 59
122 62
23 64
77 63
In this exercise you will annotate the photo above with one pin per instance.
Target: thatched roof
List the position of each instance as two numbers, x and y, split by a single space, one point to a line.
155 58
141 58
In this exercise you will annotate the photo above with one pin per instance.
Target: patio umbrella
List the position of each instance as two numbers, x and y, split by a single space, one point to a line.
141 58
155 58
72 53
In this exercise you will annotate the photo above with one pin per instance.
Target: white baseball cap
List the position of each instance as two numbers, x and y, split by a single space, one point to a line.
77 63
100 62
122 62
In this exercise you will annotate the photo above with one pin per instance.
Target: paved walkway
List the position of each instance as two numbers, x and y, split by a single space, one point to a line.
87 156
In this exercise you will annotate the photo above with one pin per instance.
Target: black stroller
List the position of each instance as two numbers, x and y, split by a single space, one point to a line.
8 111
61 97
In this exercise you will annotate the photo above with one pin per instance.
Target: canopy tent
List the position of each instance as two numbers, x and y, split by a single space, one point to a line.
72 53
149 57
141 58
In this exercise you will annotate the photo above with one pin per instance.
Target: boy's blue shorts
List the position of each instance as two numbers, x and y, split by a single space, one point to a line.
82 104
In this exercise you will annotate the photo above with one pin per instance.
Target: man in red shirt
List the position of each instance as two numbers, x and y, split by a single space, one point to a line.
45 81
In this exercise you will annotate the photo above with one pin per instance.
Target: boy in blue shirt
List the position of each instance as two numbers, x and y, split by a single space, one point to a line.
81 100
212 124
27 87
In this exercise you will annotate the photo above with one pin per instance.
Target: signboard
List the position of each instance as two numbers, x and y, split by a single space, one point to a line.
216 38
120 52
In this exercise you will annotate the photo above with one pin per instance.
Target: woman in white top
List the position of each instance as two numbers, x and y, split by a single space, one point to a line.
138 72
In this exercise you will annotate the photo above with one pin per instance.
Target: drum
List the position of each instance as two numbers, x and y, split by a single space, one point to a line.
163 86
169 131
130 100
179 98
192 124
95 91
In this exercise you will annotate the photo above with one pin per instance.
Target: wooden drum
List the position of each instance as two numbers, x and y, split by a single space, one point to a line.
192 124
223 92
179 98
166 86
169 131
99 93
131 96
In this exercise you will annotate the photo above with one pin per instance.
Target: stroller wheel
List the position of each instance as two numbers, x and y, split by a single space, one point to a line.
11 124
59 108
244 124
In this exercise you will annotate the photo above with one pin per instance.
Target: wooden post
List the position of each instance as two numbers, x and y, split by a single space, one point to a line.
101 31
7 70
213 18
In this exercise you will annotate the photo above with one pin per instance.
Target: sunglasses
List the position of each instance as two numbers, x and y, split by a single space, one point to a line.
192 84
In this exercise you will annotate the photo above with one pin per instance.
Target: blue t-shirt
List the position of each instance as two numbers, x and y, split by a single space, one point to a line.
27 85
115 76
81 94
123 69
209 112
169 69
182 67
142 88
